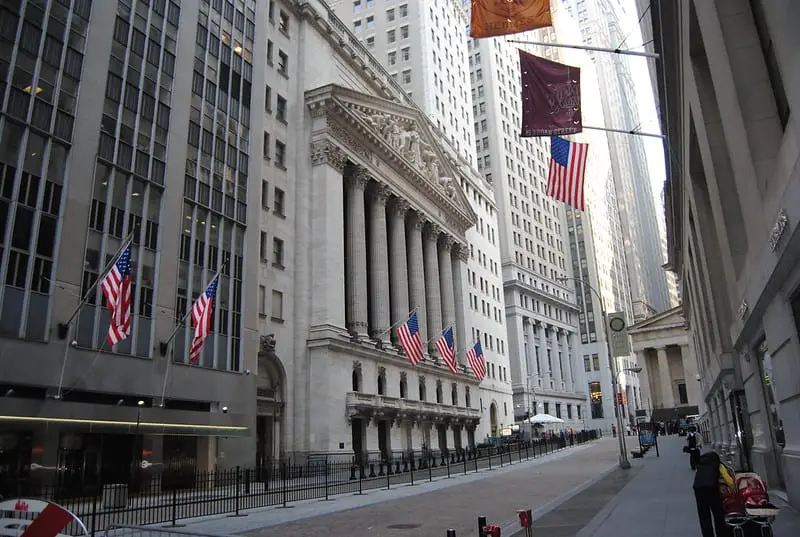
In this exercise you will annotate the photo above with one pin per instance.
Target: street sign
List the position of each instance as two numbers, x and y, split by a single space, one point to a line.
618 334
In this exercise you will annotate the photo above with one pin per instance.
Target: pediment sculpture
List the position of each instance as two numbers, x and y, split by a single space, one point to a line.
267 344
407 140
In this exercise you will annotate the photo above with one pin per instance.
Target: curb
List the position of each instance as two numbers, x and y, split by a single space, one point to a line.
512 528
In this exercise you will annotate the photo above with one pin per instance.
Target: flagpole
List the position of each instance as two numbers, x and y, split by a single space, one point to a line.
440 334
396 323
585 47
621 131
64 328
164 345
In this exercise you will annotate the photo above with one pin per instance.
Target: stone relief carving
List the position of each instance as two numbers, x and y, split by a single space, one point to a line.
267 343
324 152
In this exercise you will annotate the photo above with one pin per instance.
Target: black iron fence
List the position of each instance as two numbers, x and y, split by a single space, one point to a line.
153 496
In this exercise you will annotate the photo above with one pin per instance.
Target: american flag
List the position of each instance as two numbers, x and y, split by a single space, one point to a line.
410 339
201 315
447 349
567 171
475 359
116 286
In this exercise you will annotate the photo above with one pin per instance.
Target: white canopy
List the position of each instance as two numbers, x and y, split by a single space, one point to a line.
544 418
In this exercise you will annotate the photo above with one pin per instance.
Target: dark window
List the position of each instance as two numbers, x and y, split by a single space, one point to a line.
771 60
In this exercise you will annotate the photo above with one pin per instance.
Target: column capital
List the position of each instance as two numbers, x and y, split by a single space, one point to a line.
433 230
399 206
360 177
463 252
417 220
447 240
380 193
326 152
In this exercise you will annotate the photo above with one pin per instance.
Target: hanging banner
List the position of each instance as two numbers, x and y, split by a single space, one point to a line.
551 97
492 18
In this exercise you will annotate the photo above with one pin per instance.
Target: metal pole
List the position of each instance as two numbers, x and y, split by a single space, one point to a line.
623 456
585 47
622 131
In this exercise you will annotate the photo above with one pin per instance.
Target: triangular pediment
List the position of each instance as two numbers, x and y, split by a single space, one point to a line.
668 319
405 135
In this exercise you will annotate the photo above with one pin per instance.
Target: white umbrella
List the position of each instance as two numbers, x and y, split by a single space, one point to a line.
544 418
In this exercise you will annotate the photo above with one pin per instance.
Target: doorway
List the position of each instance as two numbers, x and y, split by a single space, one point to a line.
385 439
358 431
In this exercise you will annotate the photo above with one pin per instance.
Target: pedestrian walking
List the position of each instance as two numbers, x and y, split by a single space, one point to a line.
711 474
693 447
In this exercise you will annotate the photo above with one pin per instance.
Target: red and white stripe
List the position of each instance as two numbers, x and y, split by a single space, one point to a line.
566 184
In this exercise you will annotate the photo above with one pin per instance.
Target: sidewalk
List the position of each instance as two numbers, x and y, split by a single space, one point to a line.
658 501
429 509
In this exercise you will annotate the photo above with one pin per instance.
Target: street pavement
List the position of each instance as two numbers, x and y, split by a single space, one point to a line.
659 502
579 492
429 509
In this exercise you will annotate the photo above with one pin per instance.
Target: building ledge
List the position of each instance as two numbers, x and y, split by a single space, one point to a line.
383 407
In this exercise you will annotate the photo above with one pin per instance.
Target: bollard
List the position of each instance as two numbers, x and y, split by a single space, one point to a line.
451 533
481 525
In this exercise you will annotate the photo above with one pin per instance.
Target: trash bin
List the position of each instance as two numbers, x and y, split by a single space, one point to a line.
115 496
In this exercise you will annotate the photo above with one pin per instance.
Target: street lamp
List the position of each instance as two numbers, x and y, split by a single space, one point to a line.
624 463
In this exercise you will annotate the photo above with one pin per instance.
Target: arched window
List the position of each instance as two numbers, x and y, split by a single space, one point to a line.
422 393
439 394
382 381
403 386
357 377
467 399
454 394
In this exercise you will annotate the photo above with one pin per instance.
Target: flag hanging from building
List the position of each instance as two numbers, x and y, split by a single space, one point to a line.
492 18
447 350
201 315
475 359
410 339
565 181
116 286
551 97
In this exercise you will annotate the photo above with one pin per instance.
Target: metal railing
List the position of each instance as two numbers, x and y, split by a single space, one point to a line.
150 496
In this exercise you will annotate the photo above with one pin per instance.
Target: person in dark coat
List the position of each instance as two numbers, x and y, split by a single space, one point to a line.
707 496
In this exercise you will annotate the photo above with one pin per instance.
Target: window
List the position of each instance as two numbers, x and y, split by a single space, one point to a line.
283 63
407 78
262 300
390 15
270 51
587 363
683 397
268 100
280 109
277 305
405 54
264 194
596 399
262 247
596 362
771 61
390 37
356 6
280 154
404 32
370 23
371 42
277 252
403 10
278 202
283 24
392 58
266 146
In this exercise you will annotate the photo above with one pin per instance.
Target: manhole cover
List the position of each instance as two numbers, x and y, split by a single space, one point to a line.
403 526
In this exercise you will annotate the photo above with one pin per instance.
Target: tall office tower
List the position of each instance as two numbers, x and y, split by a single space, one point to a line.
105 135
541 313
423 45
599 22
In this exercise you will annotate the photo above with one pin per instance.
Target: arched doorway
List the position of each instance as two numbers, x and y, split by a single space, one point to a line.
493 419
270 403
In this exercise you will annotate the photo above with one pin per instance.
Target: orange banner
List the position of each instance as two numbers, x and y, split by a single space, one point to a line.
491 18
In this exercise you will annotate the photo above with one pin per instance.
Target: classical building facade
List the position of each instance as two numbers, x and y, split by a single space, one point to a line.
729 93
669 377
377 220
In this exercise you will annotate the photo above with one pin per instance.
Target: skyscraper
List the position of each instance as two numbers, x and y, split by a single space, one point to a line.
599 22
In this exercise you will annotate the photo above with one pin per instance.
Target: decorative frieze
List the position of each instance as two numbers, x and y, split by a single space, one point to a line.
325 152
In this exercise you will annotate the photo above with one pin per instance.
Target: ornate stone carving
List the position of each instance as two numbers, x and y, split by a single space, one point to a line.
356 365
267 343
447 240
434 230
346 138
380 193
418 221
326 152
447 184
463 252
399 206
359 178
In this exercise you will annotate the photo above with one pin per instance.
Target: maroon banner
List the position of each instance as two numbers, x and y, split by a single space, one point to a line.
551 97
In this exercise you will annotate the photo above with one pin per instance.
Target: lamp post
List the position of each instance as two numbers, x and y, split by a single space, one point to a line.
624 463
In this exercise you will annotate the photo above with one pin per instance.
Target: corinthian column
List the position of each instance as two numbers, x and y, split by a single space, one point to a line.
356 253
446 283
416 276
667 399
379 264
433 293
398 266
459 279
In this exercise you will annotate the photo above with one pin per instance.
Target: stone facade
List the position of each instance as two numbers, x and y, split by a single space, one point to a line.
669 380
377 221
729 92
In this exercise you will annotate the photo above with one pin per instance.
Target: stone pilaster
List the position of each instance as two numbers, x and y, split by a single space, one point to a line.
398 265
446 283
379 263
356 245
554 350
416 274
569 366
460 337
433 293
667 399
